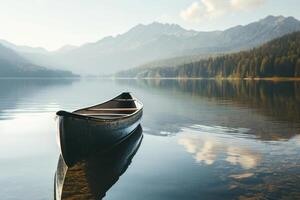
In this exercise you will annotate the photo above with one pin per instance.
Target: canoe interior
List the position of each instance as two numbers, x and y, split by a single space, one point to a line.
118 107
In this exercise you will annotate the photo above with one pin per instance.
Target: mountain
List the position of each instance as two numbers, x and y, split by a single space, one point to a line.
65 48
14 65
277 58
155 41
236 39
23 48
140 44
251 35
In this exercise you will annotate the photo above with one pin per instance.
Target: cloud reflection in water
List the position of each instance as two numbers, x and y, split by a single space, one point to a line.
208 144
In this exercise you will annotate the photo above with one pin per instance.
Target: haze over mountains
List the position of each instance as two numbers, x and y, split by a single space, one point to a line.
14 65
145 43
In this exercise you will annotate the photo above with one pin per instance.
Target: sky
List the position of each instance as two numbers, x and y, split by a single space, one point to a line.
54 23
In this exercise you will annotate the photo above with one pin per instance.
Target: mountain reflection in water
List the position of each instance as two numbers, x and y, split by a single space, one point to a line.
16 93
270 108
91 178
202 139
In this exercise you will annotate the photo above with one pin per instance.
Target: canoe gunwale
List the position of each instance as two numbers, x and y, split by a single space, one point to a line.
139 108
69 114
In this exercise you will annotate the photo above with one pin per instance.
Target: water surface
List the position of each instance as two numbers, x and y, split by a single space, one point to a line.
203 139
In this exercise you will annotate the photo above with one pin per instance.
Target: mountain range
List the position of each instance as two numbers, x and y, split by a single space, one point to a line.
279 57
147 43
14 65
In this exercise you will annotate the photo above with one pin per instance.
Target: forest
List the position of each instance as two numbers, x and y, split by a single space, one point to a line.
277 58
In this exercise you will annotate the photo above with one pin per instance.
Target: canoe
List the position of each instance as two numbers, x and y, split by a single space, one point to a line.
93 177
97 128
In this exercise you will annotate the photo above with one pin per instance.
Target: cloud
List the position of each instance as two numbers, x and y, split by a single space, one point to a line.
215 8
193 13
204 150
243 157
246 4
207 153
241 176
206 9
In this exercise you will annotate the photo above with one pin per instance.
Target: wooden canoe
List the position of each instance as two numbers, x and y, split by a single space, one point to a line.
93 177
98 127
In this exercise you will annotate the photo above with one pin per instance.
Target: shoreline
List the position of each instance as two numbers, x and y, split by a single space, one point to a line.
274 79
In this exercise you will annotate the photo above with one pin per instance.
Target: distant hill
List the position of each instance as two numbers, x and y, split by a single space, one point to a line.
14 65
277 58
23 48
157 41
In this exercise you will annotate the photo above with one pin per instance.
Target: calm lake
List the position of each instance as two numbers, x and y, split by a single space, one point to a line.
202 139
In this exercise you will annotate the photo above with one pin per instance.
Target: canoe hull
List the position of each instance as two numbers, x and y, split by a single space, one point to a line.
78 136
93 177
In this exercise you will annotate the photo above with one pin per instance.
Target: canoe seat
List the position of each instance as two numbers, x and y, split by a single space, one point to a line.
103 114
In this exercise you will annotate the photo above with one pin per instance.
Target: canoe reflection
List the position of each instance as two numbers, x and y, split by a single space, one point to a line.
93 177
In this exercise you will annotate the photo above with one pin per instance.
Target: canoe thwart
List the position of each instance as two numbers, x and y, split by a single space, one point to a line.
103 114
112 109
